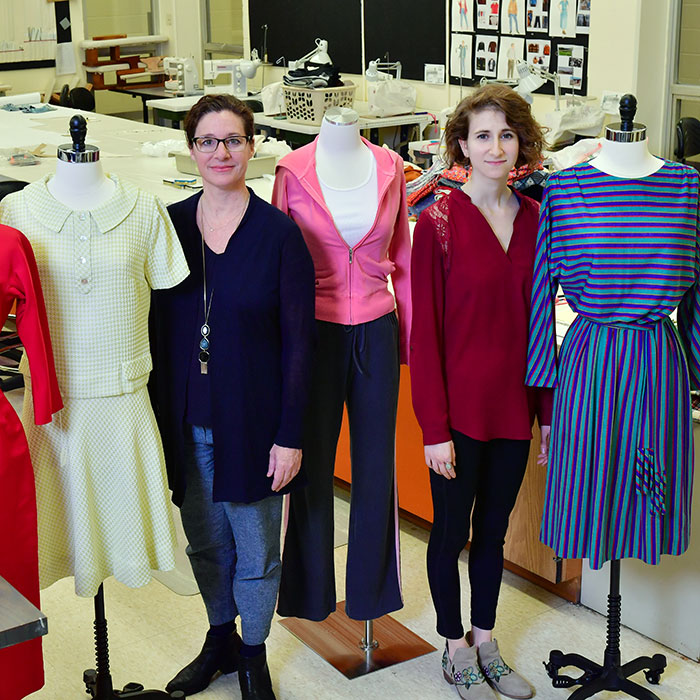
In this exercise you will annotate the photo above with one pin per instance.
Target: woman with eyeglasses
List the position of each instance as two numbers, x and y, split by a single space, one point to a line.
232 351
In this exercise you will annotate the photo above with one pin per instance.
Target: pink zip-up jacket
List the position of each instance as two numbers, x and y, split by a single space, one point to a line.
352 283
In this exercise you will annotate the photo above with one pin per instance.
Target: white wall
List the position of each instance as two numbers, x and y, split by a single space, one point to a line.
45 79
629 46
179 19
662 601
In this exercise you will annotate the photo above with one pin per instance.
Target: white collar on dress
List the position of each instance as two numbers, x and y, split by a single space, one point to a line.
53 214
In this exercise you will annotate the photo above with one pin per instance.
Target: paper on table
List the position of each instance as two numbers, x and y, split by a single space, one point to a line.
65 59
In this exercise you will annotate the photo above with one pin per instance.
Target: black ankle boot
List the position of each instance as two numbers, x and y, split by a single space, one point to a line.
218 654
254 678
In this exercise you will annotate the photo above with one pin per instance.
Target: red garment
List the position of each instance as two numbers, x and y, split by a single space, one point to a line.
471 311
21 665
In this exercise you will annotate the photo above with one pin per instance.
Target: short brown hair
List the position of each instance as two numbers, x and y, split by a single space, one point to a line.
518 117
218 103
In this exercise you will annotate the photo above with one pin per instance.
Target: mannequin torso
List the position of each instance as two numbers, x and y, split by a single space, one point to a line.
626 160
80 186
347 173
343 161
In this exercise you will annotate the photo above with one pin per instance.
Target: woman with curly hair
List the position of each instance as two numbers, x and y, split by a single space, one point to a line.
472 267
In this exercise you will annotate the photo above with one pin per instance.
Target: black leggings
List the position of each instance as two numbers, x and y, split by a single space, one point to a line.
489 475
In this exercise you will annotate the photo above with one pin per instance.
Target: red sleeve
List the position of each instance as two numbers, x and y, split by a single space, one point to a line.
545 401
400 255
427 362
33 329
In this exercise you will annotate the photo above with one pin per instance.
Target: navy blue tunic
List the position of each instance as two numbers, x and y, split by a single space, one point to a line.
262 337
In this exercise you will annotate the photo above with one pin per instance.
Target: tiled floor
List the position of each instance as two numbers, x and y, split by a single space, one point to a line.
154 632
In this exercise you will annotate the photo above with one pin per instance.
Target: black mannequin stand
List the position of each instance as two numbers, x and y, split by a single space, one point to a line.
611 675
98 683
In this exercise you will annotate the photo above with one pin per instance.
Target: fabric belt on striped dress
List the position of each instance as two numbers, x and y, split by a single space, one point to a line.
650 472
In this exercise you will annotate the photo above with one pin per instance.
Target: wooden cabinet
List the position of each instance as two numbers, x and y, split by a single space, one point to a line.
524 552
523 547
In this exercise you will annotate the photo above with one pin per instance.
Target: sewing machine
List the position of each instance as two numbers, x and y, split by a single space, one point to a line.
238 71
183 78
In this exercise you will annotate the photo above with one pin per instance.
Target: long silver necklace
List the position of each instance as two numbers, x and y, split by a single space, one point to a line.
205 330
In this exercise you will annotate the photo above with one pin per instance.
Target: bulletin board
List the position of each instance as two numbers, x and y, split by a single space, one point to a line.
487 37
27 34
294 26
410 31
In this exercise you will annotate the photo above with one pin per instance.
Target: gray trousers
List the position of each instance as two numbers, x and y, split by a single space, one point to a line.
234 548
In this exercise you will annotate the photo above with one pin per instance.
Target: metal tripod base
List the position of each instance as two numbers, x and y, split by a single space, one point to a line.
98 682
611 675
384 642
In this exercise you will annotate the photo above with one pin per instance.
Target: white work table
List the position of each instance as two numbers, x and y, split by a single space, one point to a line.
366 123
175 109
119 141
20 621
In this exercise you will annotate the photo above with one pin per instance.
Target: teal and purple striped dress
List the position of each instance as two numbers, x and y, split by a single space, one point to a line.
625 253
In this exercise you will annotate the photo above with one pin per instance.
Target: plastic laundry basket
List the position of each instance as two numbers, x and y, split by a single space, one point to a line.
308 105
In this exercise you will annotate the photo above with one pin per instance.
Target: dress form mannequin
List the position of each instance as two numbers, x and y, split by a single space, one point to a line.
624 152
624 155
343 161
79 182
347 197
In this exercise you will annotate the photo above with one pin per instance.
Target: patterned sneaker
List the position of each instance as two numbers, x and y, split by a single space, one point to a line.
464 673
501 676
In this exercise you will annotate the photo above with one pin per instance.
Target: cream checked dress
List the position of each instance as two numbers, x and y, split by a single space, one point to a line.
102 495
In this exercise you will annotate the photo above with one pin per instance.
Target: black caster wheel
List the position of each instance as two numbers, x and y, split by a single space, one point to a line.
132 688
177 695
654 676
552 669
563 682
90 680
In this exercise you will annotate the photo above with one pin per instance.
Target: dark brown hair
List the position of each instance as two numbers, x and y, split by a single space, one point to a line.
518 117
218 103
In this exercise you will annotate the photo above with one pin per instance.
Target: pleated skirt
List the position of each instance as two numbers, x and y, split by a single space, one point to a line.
103 503
620 473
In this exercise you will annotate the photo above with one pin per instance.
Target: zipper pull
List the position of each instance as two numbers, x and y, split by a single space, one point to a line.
350 255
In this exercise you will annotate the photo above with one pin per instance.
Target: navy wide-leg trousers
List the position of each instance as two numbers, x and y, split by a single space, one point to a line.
358 366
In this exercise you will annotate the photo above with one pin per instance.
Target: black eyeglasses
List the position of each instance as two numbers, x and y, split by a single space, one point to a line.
208 144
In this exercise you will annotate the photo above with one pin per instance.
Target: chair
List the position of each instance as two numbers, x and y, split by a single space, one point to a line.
9 186
82 98
77 98
688 140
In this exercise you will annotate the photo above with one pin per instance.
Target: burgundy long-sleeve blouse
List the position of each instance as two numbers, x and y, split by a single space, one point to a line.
471 310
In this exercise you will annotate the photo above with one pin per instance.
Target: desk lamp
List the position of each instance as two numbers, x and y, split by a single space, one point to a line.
376 70
319 55
532 77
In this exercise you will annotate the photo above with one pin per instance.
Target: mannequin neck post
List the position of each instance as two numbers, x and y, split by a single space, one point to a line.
626 160
80 186
342 158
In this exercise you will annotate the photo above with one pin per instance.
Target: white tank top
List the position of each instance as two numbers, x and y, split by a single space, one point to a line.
354 210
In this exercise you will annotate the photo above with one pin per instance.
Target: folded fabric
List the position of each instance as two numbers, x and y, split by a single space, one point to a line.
424 203
29 109
313 75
